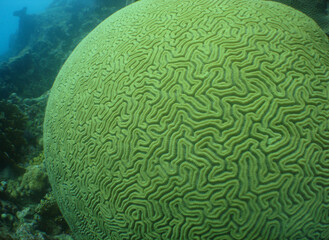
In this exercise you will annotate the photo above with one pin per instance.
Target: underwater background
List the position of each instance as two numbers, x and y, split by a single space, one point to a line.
37 38
9 22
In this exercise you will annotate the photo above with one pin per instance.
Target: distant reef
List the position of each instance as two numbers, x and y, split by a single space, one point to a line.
44 41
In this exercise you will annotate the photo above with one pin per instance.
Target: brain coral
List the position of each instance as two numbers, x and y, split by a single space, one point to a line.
192 120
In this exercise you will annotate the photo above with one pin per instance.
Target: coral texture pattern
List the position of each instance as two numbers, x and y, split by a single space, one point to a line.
193 120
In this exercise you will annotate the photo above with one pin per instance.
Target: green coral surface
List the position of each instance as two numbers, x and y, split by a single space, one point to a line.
193 119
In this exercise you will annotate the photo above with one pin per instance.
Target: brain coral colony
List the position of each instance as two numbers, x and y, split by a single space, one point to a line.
193 119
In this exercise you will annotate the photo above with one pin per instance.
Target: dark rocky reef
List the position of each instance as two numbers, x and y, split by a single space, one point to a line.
21 123
318 10
12 141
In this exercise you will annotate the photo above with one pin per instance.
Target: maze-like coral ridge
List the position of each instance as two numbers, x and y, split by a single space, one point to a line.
192 119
